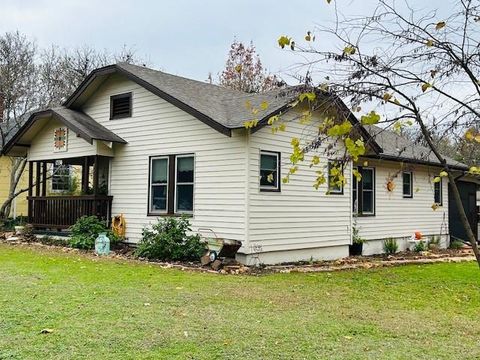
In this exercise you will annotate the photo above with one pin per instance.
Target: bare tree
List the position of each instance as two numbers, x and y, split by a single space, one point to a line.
244 71
411 68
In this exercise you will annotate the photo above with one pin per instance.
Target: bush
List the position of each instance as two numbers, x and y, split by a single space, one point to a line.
168 240
86 230
390 246
434 243
456 244
420 246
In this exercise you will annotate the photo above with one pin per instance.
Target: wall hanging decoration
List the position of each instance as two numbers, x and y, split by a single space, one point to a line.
60 139
390 185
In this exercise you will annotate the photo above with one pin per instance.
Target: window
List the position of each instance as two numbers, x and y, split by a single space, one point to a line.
407 184
437 192
184 180
120 106
363 192
60 177
269 171
158 184
335 177
171 184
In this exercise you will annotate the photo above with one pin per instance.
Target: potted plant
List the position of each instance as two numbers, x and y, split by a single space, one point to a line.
357 241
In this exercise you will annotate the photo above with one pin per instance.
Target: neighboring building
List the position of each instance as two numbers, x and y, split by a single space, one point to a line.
19 204
150 144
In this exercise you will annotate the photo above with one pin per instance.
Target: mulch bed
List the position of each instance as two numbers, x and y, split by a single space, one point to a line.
232 267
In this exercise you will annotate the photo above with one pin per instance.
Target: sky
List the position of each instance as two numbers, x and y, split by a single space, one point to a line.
183 37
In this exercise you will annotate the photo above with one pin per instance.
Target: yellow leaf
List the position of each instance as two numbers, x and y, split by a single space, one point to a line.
437 179
440 25
282 127
435 206
443 174
270 178
430 43
308 37
264 105
248 105
477 138
238 68
365 163
387 96
349 50
469 136
425 86
283 41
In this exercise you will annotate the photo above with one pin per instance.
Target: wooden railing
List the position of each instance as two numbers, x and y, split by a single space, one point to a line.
60 212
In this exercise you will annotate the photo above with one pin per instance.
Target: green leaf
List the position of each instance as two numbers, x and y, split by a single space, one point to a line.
371 118
310 96
340 129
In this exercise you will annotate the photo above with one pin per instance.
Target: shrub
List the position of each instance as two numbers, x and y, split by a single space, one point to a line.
390 246
434 243
168 240
456 244
86 230
420 246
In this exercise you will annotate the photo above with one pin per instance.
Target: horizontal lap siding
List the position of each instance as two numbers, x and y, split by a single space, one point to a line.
401 217
159 128
42 145
299 216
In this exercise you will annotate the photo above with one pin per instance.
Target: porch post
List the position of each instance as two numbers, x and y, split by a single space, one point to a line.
30 178
95 175
85 175
44 178
37 177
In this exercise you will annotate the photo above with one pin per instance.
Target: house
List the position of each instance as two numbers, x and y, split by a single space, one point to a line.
151 144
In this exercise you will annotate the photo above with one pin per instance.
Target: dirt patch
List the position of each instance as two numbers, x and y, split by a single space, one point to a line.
232 267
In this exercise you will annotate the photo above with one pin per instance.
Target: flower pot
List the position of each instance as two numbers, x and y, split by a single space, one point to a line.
356 249
19 230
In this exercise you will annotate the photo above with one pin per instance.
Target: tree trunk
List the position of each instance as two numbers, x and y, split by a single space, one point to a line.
18 167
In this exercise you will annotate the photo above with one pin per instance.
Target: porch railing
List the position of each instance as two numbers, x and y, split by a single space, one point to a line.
60 212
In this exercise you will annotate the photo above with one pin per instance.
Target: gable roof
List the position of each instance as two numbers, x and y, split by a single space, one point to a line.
83 125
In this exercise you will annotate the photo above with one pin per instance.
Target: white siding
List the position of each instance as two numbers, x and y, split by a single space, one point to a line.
42 145
159 128
299 216
398 217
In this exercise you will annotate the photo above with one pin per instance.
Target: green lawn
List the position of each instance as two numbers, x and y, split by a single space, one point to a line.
106 309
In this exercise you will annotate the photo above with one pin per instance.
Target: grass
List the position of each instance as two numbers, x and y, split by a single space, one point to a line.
106 309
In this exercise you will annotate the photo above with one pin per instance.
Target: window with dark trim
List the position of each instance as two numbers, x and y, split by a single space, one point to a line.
121 106
363 191
269 171
171 184
437 192
407 184
61 177
335 176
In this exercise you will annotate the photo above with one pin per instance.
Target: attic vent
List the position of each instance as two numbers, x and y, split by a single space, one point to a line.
121 106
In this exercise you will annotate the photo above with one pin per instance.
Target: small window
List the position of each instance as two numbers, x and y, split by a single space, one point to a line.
363 192
121 106
269 171
158 184
61 178
171 184
437 193
184 181
407 184
335 177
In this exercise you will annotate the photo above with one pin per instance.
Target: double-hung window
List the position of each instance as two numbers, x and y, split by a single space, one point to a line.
61 178
171 184
437 192
407 184
363 191
269 171
335 177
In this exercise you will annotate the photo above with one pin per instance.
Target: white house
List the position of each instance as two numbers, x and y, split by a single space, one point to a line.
162 145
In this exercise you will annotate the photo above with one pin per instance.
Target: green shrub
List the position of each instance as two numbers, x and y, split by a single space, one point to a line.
168 240
86 230
420 246
390 246
456 244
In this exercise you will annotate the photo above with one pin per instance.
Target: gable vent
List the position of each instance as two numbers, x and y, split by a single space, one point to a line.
121 106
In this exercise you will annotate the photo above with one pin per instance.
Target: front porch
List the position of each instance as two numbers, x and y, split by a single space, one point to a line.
57 210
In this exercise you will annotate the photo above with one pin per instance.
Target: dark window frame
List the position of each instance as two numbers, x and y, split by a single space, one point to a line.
359 192
440 193
171 186
121 96
407 196
330 191
265 188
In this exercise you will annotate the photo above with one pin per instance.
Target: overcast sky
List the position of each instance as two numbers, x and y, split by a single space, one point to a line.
184 37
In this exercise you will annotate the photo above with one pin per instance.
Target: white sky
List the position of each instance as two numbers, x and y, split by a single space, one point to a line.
185 37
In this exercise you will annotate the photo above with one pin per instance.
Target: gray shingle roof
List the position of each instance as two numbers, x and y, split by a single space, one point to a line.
398 147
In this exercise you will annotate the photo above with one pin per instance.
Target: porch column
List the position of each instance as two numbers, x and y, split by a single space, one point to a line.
37 177
44 178
30 190
85 175
95 175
